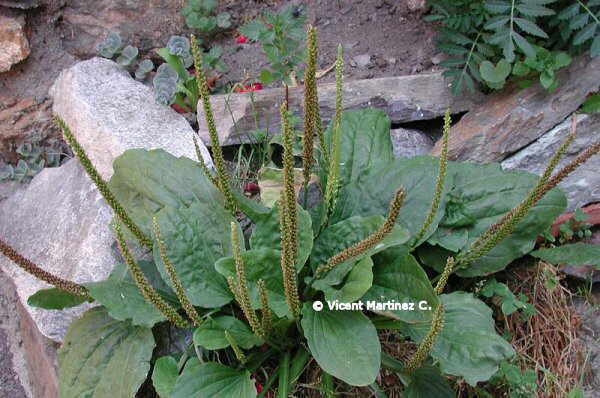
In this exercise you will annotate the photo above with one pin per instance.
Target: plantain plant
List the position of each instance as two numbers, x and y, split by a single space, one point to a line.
317 281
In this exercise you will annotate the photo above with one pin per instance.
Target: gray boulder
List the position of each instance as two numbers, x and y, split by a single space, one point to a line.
583 185
109 112
61 223
410 142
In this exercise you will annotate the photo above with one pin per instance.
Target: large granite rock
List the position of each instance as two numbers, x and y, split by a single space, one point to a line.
404 98
410 142
109 112
583 185
513 118
14 46
60 223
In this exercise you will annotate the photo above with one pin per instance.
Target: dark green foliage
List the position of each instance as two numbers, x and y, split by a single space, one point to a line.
281 36
129 304
591 104
212 379
572 254
487 40
509 303
164 375
344 344
54 299
103 358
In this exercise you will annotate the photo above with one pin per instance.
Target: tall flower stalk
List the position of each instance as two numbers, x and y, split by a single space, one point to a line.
331 190
222 175
187 305
370 241
31 268
288 223
311 108
507 224
150 294
102 186
239 285
439 185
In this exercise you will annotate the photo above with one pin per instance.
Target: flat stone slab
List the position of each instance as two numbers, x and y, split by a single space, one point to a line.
583 185
404 99
513 118
110 112
61 223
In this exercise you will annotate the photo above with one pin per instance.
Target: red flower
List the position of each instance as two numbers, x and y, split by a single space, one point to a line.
249 87
241 39
178 108
259 387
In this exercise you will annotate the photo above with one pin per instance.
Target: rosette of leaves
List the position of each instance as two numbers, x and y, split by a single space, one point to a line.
249 303
178 59
165 84
144 67
110 46
281 36
199 14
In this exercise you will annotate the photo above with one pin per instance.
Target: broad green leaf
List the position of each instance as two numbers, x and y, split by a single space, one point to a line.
481 195
572 254
355 285
371 195
267 234
468 345
122 298
251 208
428 382
398 277
145 182
195 238
164 376
103 358
451 239
211 333
495 74
344 344
591 104
344 234
54 299
365 144
260 264
212 379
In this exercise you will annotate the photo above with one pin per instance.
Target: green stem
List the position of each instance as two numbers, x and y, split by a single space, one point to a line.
284 376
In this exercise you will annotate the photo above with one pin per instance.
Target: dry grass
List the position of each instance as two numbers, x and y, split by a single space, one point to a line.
548 341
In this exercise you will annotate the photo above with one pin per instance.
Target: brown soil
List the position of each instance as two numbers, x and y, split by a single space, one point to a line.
62 32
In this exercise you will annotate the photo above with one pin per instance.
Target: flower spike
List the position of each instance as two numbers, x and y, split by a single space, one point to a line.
31 268
311 106
370 241
149 293
222 175
437 324
239 288
102 186
439 184
187 305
